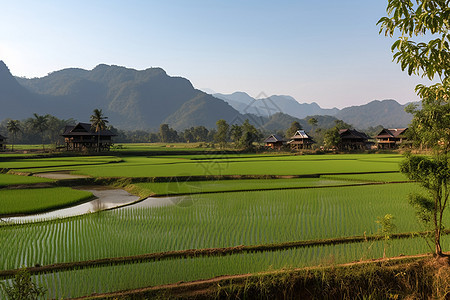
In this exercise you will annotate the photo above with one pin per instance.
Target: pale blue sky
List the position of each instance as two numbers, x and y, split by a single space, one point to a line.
325 51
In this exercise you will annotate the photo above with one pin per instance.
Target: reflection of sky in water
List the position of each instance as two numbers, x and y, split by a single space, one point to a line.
105 199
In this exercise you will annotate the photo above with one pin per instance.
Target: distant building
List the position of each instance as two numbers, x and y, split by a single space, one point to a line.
2 143
82 137
391 138
275 142
352 139
301 140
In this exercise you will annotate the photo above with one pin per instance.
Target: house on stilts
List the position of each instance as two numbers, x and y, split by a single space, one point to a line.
82 137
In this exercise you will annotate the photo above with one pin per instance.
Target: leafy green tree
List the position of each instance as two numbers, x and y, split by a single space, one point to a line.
188 135
428 58
249 136
167 134
55 127
236 134
293 129
23 288
98 122
13 127
40 123
434 175
201 134
332 138
222 134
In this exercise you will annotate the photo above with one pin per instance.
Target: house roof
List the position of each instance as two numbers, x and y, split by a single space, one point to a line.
274 138
84 129
352 134
392 132
300 134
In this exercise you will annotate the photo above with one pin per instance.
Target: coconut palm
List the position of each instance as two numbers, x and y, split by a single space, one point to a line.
98 122
40 123
13 127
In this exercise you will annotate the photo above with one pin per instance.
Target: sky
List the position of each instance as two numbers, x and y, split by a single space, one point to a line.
329 52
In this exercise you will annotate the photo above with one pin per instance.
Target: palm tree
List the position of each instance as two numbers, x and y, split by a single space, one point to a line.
40 123
13 126
98 121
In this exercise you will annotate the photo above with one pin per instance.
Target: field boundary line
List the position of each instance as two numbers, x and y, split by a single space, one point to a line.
203 286
207 252
278 189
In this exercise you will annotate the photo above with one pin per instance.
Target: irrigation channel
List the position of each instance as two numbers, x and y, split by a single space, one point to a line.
106 199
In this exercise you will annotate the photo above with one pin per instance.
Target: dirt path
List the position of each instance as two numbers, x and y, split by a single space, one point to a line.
60 175
205 287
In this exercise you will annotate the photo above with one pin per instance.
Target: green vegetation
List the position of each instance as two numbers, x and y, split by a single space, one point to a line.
430 125
140 274
23 288
28 201
204 221
373 177
325 217
180 186
7 179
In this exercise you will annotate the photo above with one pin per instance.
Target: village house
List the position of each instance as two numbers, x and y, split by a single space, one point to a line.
275 142
2 143
301 140
391 138
352 139
82 137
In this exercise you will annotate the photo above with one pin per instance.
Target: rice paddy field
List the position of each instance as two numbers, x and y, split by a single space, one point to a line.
280 211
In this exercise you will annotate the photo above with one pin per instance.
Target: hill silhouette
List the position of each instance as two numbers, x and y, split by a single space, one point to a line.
143 99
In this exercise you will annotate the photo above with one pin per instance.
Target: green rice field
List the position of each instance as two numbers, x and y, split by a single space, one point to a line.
28 201
337 197
7 179
181 186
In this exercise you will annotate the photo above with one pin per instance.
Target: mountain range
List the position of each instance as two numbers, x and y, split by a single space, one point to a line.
388 113
144 99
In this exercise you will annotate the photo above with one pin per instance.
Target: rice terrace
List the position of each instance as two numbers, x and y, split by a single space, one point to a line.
177 150
212 213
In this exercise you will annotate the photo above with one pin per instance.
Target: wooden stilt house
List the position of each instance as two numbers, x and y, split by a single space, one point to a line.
301 140
275 142
352 139
391 138
82 137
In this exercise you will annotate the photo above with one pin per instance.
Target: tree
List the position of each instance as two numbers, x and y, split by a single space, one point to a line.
201 133
293 129
13 127
222 134
40 123
235 134
249 136
98 122
313 122
434 175
167 134
23 288
332 138
428 58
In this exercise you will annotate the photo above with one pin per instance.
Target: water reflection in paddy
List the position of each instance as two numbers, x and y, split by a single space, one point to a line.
105 199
